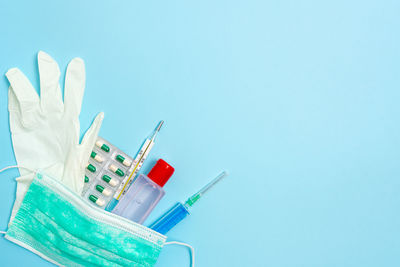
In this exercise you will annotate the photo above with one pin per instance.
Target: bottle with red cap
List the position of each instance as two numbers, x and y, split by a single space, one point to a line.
145 193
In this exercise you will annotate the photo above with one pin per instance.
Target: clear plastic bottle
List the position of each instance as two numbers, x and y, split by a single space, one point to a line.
144 193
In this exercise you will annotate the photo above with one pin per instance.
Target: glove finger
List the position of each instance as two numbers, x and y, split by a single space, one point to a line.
50 91
14 110
26 96
13 104
91 136
74 87
77 159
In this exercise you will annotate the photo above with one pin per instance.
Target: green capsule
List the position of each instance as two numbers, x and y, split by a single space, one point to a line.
91 168
105 191
98 201
106 178
120 158
99 188
86 179
109 180
116 170
93 198
96 157
120 172
103 146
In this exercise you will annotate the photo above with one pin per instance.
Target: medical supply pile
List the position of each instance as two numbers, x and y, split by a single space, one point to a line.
111 184
82 203
110 171
135 167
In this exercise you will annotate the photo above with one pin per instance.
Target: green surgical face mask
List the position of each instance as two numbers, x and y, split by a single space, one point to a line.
59 226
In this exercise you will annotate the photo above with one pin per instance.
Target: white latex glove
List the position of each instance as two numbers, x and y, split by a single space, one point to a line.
45 131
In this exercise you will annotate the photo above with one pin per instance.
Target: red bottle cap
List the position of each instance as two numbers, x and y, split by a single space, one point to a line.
161 172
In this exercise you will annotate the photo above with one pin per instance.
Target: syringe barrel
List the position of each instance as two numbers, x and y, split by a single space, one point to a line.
171 218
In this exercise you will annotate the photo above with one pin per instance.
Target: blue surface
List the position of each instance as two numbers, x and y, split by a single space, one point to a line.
299 100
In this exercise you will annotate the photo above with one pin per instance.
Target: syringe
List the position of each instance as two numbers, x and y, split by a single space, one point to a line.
135 167
179 211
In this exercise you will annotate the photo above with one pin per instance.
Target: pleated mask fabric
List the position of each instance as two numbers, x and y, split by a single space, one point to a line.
61 227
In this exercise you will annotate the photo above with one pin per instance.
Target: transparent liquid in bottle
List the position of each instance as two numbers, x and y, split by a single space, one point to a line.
140 199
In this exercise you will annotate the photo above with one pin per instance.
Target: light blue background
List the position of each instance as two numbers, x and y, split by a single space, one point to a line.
299 100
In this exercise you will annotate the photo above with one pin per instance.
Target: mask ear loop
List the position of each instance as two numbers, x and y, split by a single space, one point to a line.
185 245
14 167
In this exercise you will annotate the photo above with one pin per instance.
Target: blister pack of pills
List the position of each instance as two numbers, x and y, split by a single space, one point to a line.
107 168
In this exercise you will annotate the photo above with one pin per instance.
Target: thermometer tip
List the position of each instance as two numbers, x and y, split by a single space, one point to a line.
159 126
